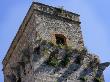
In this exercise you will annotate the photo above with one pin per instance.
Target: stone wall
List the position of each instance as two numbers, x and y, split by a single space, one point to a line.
48 25
45 26
56 11
54 63
35 43
15 60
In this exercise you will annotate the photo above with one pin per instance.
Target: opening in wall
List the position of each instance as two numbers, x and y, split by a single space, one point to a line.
60 39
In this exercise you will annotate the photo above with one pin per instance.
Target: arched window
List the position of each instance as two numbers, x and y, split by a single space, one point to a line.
60 39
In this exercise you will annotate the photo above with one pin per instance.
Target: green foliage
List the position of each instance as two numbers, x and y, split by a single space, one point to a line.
56 81
84 79
67 56
68 48
44 42
50 43
83 51
60 46
53 61
94 71
65 61
97 79
60 9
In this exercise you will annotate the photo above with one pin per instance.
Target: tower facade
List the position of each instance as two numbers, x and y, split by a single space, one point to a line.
40 51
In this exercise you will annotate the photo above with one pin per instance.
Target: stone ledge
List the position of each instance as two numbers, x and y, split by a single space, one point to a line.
56 11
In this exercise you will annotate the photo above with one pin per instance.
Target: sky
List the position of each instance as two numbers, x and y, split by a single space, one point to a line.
94 17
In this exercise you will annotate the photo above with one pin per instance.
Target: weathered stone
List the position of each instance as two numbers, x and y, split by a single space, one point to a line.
49 48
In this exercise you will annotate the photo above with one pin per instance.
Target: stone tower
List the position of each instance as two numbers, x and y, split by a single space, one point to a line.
48 47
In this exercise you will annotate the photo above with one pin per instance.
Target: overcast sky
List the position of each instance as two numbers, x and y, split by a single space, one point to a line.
95 24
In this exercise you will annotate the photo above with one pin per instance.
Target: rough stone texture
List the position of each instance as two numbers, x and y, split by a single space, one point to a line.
47 26
73 72
35 42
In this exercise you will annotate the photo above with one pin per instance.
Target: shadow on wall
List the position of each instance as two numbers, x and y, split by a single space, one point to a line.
71 69
44 68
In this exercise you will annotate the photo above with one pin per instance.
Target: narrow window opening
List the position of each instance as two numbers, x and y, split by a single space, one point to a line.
60 39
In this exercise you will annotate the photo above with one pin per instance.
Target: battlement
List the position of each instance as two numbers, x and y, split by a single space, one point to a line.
56 11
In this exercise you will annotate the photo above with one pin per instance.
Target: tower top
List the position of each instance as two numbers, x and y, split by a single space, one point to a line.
55 11
36 6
